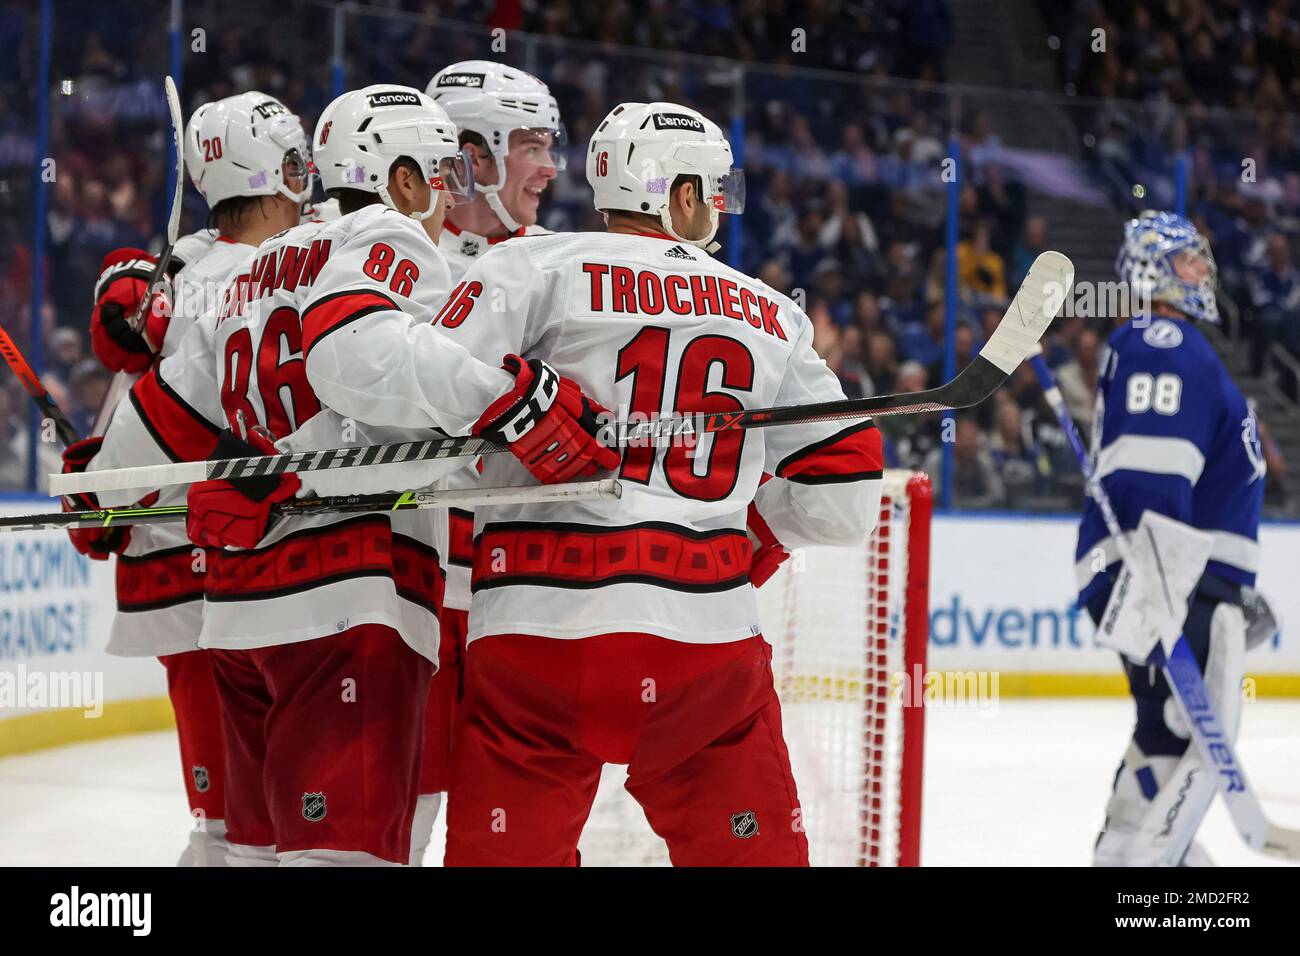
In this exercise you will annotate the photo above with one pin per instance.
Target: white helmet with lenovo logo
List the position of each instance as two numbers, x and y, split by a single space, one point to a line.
640 149
362 133
494 100
247 145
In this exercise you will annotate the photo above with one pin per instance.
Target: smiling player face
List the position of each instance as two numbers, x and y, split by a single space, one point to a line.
529 170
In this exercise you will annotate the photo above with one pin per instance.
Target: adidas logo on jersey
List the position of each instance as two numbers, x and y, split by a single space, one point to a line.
677 252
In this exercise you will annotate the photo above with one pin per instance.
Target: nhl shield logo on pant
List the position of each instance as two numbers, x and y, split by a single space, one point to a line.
744 824
313 806
201 781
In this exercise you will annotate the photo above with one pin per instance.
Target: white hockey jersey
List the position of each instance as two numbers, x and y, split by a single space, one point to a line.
160 573
648 326
317 283
462 248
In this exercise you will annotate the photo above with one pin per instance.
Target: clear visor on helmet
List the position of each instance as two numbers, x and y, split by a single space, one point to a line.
727 191
449 173
540 146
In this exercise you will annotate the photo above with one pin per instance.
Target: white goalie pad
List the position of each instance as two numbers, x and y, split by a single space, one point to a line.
1148 604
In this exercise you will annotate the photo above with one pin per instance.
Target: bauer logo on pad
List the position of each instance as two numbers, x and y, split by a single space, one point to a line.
394 98
463 80
678 121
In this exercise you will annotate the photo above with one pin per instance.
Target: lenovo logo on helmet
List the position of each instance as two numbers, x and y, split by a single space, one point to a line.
393 98
463 80
678 121
270 108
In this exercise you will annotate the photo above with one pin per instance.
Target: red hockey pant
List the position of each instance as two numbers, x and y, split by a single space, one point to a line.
323 741
699 726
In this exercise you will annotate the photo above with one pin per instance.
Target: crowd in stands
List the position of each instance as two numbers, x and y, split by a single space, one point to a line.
845 209
1180 75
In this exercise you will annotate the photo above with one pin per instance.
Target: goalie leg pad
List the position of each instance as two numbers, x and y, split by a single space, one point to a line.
1162 792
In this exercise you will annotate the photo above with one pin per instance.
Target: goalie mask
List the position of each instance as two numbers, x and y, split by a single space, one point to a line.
362 133
247 145
639 150
1165 259
500 103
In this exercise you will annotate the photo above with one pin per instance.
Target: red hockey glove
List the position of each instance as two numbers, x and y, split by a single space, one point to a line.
547 423
768 553
237 512
122 283
95 543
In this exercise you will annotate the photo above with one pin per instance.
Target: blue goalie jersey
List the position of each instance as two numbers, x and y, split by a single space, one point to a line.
1172 433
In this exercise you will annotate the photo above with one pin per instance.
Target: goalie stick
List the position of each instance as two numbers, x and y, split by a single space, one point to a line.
66 431
1036 303
1183 673
338 504
123 381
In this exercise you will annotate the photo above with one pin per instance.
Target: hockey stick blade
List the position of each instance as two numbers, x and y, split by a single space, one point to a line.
605 488
1036 303
66 431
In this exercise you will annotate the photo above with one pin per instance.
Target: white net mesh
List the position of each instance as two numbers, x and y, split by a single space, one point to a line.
834 617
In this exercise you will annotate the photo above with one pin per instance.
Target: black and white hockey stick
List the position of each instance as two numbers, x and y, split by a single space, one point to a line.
66 431
123 381
338 504
1036 303
1184 674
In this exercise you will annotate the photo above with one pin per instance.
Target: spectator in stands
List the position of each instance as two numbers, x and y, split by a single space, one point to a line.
1275 302
1078 379
1031 244
1021 464
975 479
15 438
882 362
979 267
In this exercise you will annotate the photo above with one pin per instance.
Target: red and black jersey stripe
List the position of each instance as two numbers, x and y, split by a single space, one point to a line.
460 549
180 430
160 579
332 312
359 547
853 454
584 556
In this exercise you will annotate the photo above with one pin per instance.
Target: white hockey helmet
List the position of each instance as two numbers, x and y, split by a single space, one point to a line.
493 100
639 150
245 145
362 133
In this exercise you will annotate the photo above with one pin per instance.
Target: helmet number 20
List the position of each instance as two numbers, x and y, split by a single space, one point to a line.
1161 393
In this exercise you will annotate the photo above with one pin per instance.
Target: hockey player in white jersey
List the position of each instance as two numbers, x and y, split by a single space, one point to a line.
627 631
247 156
514 141
318 776
1173 435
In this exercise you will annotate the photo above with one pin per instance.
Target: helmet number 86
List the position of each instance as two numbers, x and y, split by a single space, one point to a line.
1163 393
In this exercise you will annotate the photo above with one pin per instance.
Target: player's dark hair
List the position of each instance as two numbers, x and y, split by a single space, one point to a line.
470 138
228 215
350 200
653 221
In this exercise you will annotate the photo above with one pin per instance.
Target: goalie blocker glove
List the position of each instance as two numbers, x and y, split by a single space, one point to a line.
547 423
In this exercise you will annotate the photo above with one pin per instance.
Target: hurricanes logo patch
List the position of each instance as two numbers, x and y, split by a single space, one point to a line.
1163 334
744 824
313 807
201 780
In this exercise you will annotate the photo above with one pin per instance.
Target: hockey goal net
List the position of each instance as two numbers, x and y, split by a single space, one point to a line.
842 622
